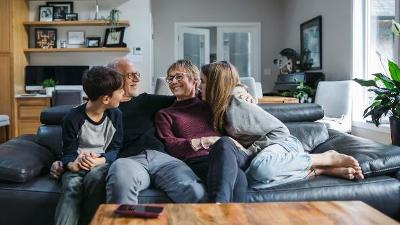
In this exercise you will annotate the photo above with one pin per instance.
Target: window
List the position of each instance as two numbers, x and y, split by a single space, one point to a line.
373 44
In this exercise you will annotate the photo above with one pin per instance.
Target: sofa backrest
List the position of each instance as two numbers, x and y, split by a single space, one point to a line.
298 117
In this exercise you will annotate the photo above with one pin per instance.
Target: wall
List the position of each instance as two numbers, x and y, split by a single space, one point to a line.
138 34
336 32
166 13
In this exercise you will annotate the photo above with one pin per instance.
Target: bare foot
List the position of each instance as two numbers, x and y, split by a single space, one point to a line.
340 160
344 172
358 174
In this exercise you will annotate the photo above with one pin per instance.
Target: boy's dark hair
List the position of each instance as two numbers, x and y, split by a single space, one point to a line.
101 81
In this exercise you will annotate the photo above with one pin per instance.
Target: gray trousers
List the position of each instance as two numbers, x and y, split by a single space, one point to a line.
82 192
128 176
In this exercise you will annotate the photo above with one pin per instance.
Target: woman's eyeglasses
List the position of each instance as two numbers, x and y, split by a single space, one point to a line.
178 77
133 75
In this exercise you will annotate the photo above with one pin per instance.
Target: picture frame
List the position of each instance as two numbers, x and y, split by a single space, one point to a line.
46 13
93 42
61 9
71 17
76 37
311 43
114 37
45 38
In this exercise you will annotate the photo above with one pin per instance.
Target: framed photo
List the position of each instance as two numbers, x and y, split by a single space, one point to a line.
71 16
311 43
46 13
76 37
45 38
114 37
61 9
93 42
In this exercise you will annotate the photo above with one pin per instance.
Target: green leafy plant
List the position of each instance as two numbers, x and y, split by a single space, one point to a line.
386 89
49 83
303 92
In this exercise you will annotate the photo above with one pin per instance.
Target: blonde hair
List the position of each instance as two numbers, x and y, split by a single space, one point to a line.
188 67
221 78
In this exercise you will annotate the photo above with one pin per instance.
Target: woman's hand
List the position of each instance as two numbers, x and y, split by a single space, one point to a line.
242 93
206 142
203 142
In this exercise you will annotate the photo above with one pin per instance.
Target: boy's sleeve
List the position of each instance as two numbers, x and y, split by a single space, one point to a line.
70 139
116 143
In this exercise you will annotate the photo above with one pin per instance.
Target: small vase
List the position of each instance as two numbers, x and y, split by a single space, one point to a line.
49 91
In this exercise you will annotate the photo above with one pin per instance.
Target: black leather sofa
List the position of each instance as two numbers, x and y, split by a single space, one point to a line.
29 196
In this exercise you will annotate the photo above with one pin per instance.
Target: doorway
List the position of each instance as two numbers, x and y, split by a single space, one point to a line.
238 43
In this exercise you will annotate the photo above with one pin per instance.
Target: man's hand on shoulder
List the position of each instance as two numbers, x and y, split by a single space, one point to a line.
56 169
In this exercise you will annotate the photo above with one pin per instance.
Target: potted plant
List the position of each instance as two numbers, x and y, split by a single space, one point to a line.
387 95
49 85
303 92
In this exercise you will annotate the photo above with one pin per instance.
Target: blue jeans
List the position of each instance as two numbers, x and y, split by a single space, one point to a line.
128 176
80 188
277 165
223 170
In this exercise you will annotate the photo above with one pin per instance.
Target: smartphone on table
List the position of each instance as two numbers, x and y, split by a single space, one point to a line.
145 211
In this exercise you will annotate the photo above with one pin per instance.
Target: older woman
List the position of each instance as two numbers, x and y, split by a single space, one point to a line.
278 156
187 130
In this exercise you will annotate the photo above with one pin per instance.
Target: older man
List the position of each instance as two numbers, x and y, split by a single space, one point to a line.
142 159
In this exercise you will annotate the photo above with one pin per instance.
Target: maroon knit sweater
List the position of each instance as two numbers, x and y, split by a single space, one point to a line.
183 121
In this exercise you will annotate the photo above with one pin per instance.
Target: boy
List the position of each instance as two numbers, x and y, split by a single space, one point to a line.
92 136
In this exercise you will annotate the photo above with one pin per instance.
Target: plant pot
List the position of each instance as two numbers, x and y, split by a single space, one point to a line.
49 90
395 130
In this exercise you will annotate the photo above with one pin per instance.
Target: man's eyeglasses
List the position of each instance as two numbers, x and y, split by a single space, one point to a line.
177 77
133 75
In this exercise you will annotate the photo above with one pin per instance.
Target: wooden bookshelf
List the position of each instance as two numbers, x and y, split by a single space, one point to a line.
54 50
124 23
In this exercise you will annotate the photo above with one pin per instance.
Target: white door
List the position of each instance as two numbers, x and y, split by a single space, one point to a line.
194 44
240 45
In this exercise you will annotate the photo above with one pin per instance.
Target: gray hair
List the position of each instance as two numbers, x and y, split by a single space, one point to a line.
116 62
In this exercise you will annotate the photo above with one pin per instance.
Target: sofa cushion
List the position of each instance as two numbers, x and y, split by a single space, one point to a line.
50 136
310 134
381 192
54 115
374 158
22 159
294 112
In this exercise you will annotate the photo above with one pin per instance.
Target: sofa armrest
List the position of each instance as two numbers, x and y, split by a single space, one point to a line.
374 158
22 159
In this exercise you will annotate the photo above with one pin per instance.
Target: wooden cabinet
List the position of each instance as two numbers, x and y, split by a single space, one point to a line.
13 40
28 110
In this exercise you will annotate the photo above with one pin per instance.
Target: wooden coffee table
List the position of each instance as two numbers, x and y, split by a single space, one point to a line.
277 99
285 213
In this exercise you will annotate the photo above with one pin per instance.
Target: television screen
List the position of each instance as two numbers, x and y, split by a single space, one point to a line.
63 75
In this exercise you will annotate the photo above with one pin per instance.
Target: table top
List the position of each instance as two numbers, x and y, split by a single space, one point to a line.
277 213
278 99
